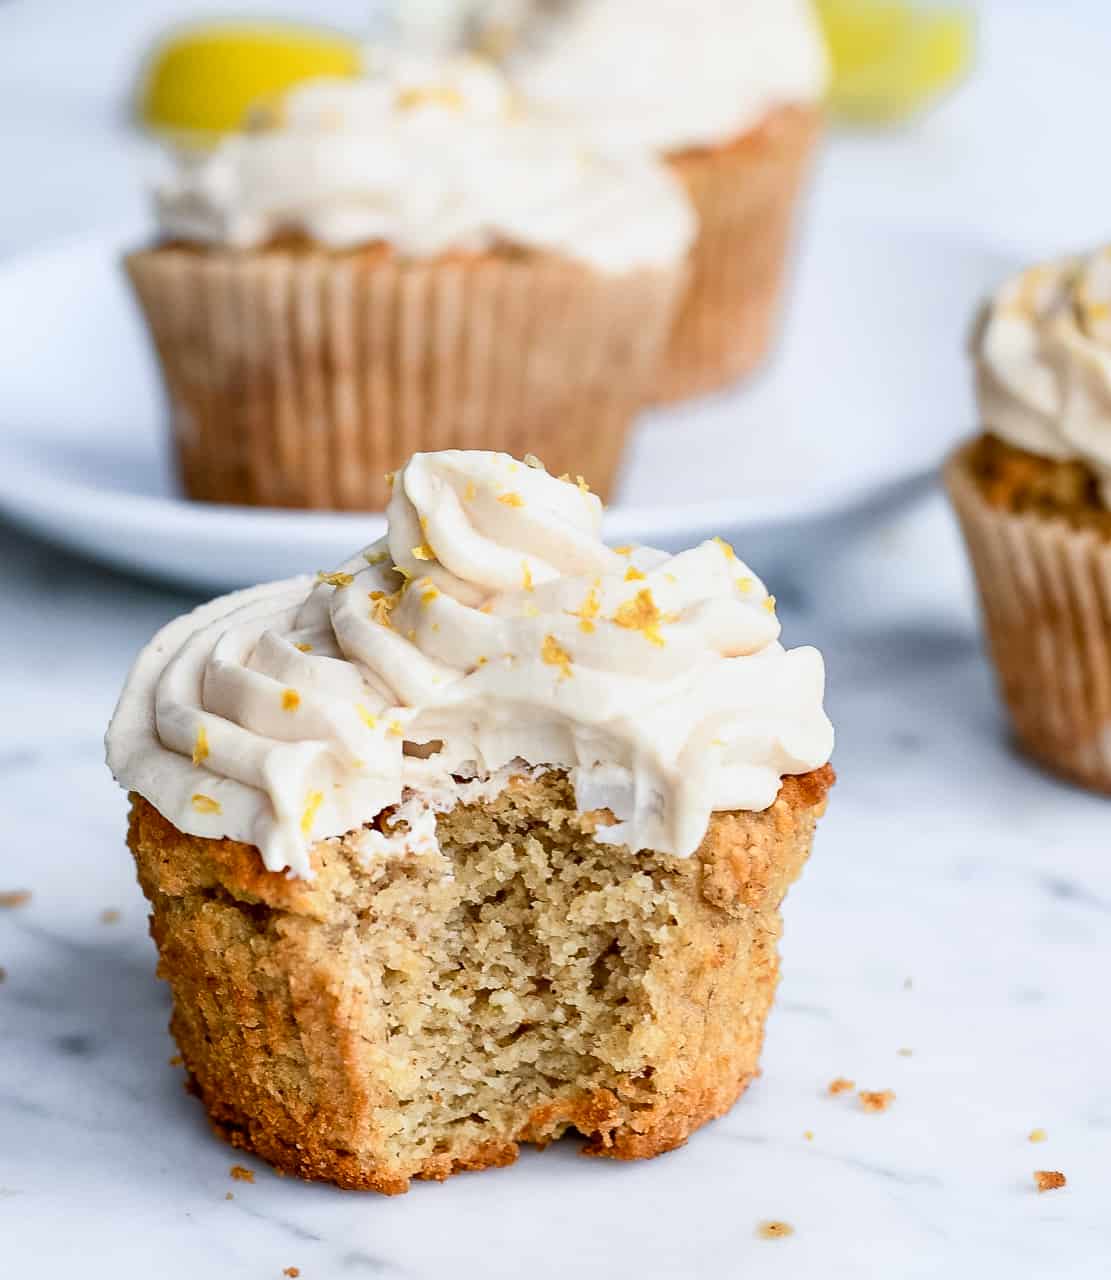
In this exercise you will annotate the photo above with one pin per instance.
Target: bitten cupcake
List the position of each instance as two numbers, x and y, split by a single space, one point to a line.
477 839
409 260
729 91
1034 498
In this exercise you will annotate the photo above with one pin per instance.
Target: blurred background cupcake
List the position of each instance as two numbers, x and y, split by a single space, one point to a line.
401 261
730 92
1033 494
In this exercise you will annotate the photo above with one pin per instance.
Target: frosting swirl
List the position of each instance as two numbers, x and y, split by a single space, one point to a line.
668 75
491 625
1043 352
428 155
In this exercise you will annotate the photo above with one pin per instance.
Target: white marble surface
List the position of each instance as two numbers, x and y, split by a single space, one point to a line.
958 903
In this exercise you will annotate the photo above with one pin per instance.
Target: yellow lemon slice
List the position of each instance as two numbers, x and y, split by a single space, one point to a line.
201 80
890 59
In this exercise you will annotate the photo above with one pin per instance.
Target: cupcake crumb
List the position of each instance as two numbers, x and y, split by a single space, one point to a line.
1038 1135
292 1272
109 916
241 1174
1049 1179
3 973
15 898
908 984
876 1100
774 1230
905 1053
840 1085
808 1134
228 1195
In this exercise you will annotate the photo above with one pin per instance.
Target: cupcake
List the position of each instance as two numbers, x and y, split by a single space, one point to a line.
1033 494
477 839
406 261
729 91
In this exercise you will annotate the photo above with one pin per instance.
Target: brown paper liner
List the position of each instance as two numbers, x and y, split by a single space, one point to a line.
298 378
745 195
1045 589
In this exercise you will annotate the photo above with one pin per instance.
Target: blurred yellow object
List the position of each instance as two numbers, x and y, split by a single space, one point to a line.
891 58
201 80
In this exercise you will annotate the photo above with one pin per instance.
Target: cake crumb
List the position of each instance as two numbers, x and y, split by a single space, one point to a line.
1038 1135
15 897
908 984
808 1134
177 1060
292 1272
241 1174
3 973
876 1100
774 1230
228 1195
1049 1179
840 1085
109 916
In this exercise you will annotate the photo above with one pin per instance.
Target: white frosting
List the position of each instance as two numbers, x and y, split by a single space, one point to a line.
428 155
666 74
299 710
1044 363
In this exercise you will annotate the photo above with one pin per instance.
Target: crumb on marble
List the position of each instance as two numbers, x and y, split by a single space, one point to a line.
876 1100
774 1230
808 1134
1038 1135
908 984
292 1272
1049 1179
228 1195
840 1085
15 897
3 974
242 1174
109 916
905 1053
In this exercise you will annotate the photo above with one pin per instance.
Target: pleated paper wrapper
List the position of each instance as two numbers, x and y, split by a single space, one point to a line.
300 378
1045 589
746 196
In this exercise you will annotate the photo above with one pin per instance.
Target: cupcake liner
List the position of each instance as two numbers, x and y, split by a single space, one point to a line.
745 196
298 379
1045 589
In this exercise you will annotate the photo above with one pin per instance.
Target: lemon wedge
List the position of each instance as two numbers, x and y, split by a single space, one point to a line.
890 59
200 81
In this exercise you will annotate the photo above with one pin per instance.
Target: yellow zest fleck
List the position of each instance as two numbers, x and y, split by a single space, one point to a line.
531 460
395 729
205 804
641 614
730 554
404 573
200 747
633 574
566 478
304 648
582 485
389 478
371 721
423 552
313 801
588 611
335 579
382 604
769 604
511 500
470 492
430 96
530 610
423 522
526 576
670 577
291 700
1038 1135
555 655
411 634
808 1134
428 595
376 557
745 585
482 662
624 551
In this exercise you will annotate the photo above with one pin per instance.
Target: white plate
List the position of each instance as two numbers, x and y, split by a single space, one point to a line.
868 391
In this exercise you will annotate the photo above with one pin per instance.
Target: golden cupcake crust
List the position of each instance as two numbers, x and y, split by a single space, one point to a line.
420 1015
1014 480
